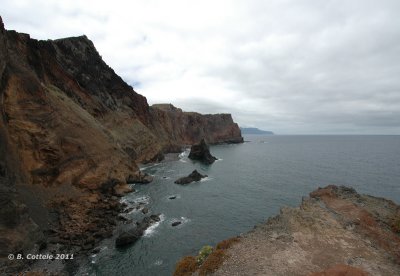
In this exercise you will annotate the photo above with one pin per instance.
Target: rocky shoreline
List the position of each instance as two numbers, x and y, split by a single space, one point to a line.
335 231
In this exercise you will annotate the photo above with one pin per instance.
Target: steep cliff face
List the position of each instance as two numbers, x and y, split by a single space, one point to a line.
18 232
174 126
72 132
75 121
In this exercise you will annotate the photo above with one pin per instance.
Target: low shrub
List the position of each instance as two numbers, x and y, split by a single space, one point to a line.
225 244
203 253
186 266
213 261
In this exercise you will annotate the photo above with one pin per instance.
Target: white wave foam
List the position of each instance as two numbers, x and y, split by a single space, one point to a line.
142 168
184 153
206 179
143 200
219 159
152 229
158 262
185 219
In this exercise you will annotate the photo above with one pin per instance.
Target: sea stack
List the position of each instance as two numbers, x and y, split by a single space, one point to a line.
201 152
193 176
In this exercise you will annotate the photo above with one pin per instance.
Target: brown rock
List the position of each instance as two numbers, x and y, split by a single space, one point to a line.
341 270
122 189
140 178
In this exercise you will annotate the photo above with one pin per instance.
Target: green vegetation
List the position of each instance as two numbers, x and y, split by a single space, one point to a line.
203 254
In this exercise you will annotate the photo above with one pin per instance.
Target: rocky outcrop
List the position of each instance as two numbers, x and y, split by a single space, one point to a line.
18 232
192 177
130 236
201 152
335 231
139 178
176 127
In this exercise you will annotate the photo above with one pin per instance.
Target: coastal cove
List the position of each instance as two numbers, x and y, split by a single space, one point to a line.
249 183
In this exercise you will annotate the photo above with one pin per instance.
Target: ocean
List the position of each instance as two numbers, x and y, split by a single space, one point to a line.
249 183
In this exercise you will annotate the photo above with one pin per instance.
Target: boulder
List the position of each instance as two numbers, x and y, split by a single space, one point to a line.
194 176
122 189
176 223
201 152
130 236
139 178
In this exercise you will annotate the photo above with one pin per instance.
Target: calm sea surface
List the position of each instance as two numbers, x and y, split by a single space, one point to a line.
249 183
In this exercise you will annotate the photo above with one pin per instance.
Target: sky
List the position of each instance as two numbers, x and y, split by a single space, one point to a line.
289 66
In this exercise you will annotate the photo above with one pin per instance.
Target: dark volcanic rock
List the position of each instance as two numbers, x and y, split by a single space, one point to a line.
128 237
194 176
176 223
132 235
201 152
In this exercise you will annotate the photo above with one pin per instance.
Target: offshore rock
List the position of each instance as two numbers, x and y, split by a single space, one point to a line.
201 152
193 176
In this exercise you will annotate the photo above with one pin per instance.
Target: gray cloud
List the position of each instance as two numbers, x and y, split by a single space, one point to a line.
289 66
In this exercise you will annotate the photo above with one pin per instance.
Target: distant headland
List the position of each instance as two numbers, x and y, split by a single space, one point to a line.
253 130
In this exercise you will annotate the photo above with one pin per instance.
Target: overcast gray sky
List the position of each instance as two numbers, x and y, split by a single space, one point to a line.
290 66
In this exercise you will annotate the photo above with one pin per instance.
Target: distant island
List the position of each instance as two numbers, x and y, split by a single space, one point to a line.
253 130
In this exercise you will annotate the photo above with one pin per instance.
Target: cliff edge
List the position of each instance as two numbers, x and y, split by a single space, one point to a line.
335 231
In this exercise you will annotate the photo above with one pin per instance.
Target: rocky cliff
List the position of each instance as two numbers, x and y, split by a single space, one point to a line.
178 127
335 231
72 132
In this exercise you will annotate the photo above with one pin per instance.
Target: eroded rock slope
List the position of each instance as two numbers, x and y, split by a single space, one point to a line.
335 230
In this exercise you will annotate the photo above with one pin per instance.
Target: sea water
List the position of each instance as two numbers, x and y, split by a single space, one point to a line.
249 183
